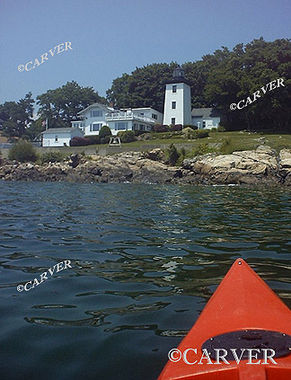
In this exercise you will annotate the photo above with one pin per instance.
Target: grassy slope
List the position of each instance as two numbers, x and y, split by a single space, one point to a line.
238 140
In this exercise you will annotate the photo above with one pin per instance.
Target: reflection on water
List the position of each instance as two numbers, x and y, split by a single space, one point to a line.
145 260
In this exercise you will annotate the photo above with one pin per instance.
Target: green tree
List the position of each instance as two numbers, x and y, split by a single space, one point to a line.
173 154
104 131
61 105
17 116
22 151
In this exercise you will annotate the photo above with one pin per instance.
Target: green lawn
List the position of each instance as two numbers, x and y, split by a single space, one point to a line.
237 141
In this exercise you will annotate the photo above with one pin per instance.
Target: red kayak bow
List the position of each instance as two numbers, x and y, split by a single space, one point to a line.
243 333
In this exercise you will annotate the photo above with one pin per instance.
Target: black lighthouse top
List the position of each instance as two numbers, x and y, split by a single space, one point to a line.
178 76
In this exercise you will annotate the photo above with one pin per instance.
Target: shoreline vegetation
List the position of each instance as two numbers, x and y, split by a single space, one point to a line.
224 158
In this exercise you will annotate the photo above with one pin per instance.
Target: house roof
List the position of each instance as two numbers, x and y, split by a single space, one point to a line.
100 105
204 112
59 130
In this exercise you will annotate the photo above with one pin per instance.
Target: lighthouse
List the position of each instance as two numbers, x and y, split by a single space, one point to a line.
177 105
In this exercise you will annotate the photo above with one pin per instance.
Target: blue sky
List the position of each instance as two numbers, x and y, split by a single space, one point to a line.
112 37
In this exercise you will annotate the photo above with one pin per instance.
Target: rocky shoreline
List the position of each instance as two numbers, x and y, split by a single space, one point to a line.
260 166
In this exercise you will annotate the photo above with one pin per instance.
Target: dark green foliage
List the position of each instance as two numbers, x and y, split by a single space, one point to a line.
161 128
173 155
190 126
144 87
93 140
226 146
220 128
22 151
104 131
201 149
51 157
126 136
176 127
79 141
201 133
105 140
61 105
16 116
218 80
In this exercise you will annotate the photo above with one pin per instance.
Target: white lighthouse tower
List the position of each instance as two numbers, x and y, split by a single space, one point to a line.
177 106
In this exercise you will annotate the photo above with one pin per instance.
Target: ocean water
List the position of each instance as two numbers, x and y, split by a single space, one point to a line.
145 260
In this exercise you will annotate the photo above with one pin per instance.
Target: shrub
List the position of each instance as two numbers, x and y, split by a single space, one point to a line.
213 129
161 128
51 157
105 131
201 133
22 151
201 149
226 146
79 141
139 133
176 127
105 140
126 136
173 154
194 127
220 128
92 140
188 133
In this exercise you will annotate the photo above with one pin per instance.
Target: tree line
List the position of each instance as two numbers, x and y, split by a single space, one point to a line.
217 80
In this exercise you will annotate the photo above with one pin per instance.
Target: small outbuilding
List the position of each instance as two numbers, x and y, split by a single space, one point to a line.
205 118
60 136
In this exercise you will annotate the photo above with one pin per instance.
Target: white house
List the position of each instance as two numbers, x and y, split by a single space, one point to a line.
59 136
96 115
177 105
205 118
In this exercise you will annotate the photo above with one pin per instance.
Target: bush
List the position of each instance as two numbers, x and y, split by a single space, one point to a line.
105 131
161 128
173 155
226 146
126 136
194 127
51 157
220 128
105 140
213 129
139 133
188 133
201 133
22 151
176 127
93 140
201 149
79 141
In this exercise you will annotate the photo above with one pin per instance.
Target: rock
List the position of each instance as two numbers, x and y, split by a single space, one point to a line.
262 165
155 155
75 160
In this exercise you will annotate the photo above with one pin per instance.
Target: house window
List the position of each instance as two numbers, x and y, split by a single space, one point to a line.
121 126
56 138
154 116
204 124
173 121
173 105
95 127
174 88
96 113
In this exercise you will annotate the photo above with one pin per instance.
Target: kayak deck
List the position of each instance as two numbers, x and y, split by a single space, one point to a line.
242 302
